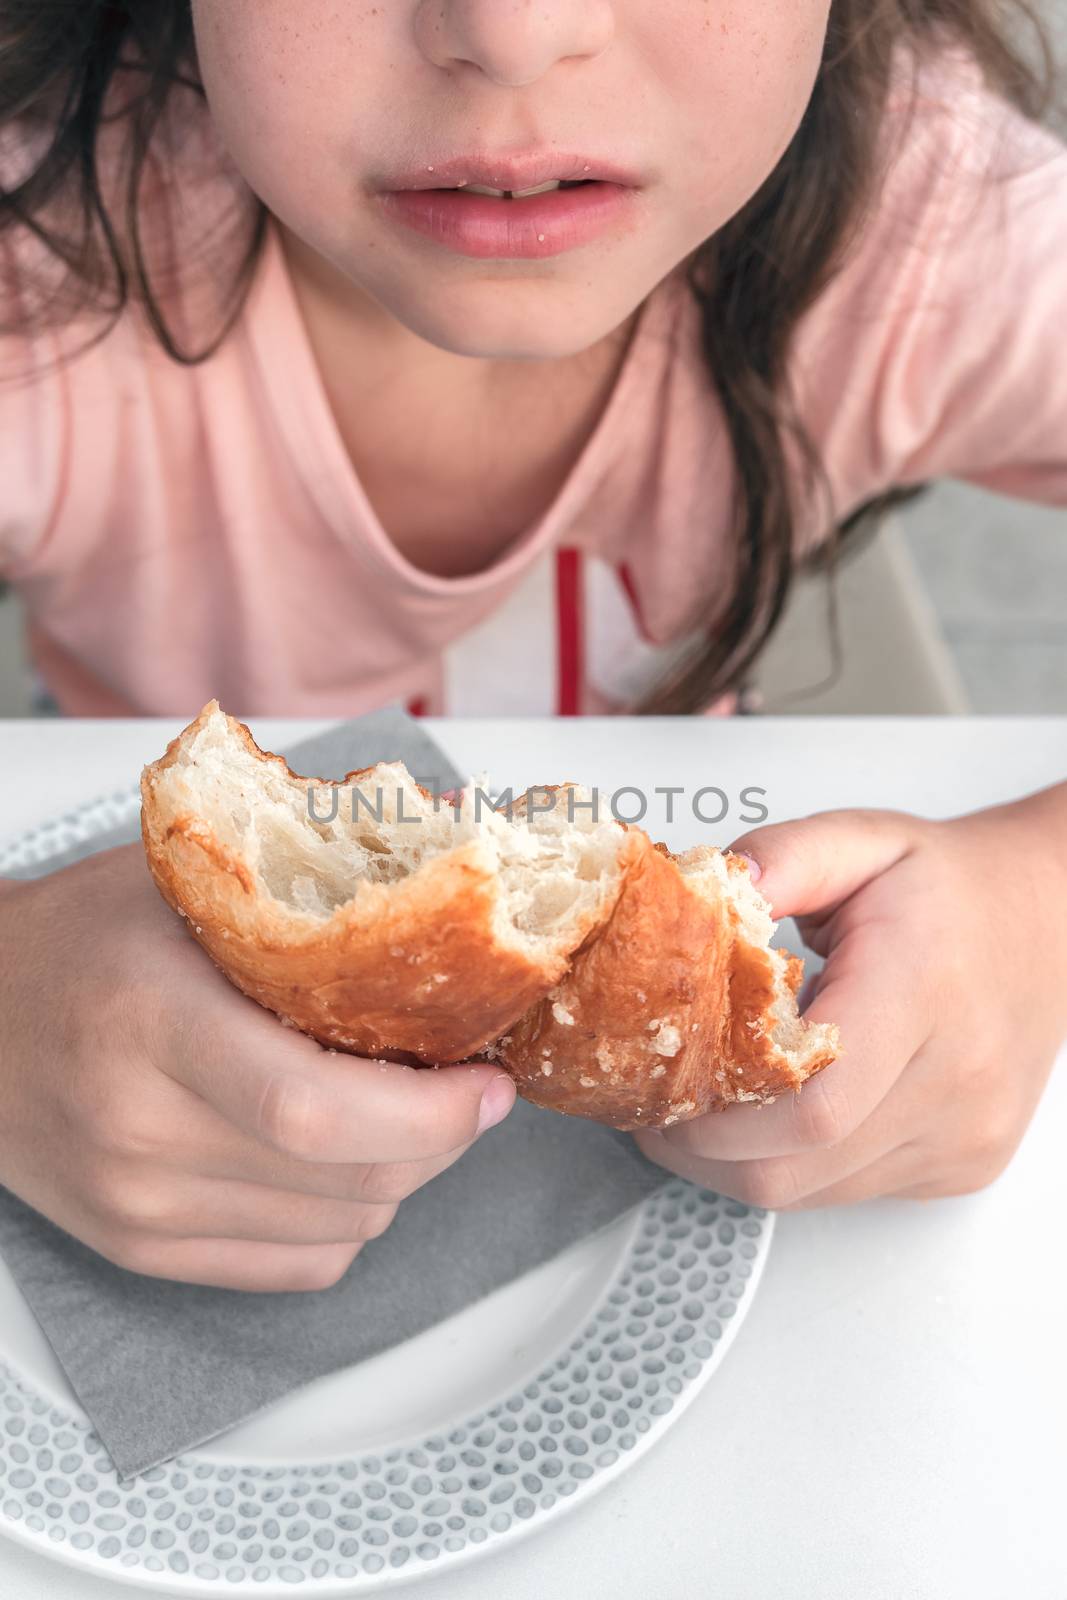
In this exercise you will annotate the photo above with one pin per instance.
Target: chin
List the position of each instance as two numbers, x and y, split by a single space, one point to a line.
506 320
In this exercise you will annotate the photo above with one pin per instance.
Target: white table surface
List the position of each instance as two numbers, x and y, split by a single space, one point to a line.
892 1419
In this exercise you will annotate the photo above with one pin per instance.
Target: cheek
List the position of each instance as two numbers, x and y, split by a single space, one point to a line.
741 75
282 87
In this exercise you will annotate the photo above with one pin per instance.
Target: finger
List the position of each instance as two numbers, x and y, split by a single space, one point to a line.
197 1208
227 1156
809 989
286 1091
817 930
198 1141
877 998
816 862
886 1177
235 1263
779 1182
783 1183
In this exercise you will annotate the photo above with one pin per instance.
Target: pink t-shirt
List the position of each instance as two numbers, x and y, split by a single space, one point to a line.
179 533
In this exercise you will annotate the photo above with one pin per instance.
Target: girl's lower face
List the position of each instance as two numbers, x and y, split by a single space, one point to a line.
337 110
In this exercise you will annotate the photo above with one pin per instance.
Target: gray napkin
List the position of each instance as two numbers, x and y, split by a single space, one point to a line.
161 1367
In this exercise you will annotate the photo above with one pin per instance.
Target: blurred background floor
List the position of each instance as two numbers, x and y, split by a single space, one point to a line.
996 573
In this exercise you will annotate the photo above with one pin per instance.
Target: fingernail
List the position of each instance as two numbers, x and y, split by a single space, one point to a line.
497 1101
755 871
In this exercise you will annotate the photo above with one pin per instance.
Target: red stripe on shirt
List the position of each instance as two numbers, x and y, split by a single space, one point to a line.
569 632
626 578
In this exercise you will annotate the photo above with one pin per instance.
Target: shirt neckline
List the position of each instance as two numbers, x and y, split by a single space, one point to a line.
297 396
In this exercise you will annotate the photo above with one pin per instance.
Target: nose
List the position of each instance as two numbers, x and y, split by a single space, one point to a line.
512 42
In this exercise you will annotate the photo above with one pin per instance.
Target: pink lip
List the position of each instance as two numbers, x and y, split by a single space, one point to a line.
480 226
511 172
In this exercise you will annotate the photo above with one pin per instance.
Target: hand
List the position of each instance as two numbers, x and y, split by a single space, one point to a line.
174 1125
946 970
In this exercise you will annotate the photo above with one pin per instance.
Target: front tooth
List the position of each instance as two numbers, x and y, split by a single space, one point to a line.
517 194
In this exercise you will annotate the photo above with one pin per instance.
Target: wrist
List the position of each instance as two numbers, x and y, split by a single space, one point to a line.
1025 848
1039 822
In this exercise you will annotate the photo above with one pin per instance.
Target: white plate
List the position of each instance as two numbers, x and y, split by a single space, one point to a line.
454 1442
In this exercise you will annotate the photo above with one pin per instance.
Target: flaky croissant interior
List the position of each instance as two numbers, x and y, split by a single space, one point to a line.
312 844
705 867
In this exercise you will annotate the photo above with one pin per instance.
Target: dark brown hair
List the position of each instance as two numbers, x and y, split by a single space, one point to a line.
753 279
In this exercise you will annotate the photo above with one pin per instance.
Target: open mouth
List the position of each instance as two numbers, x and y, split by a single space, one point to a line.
536 222
517 194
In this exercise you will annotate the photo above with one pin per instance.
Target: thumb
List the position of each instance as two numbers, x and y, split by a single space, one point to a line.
814 863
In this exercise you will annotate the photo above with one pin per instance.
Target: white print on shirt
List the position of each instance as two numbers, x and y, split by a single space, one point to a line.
566 641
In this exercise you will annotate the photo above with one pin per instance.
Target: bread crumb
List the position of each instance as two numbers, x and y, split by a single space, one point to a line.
440 977
562 1015
605 1060
658 1070
640 996
693 1027
546 1068
587 1083
668 1041
395 950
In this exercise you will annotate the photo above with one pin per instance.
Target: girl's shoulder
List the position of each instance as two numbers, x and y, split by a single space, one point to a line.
963 186
928 354
949 133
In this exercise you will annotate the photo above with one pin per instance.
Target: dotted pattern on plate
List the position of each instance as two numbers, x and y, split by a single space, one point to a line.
655 1331
62 833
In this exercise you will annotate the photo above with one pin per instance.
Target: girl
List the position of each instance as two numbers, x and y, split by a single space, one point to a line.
315 404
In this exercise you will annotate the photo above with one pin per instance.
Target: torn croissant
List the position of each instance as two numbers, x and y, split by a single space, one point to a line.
610 978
